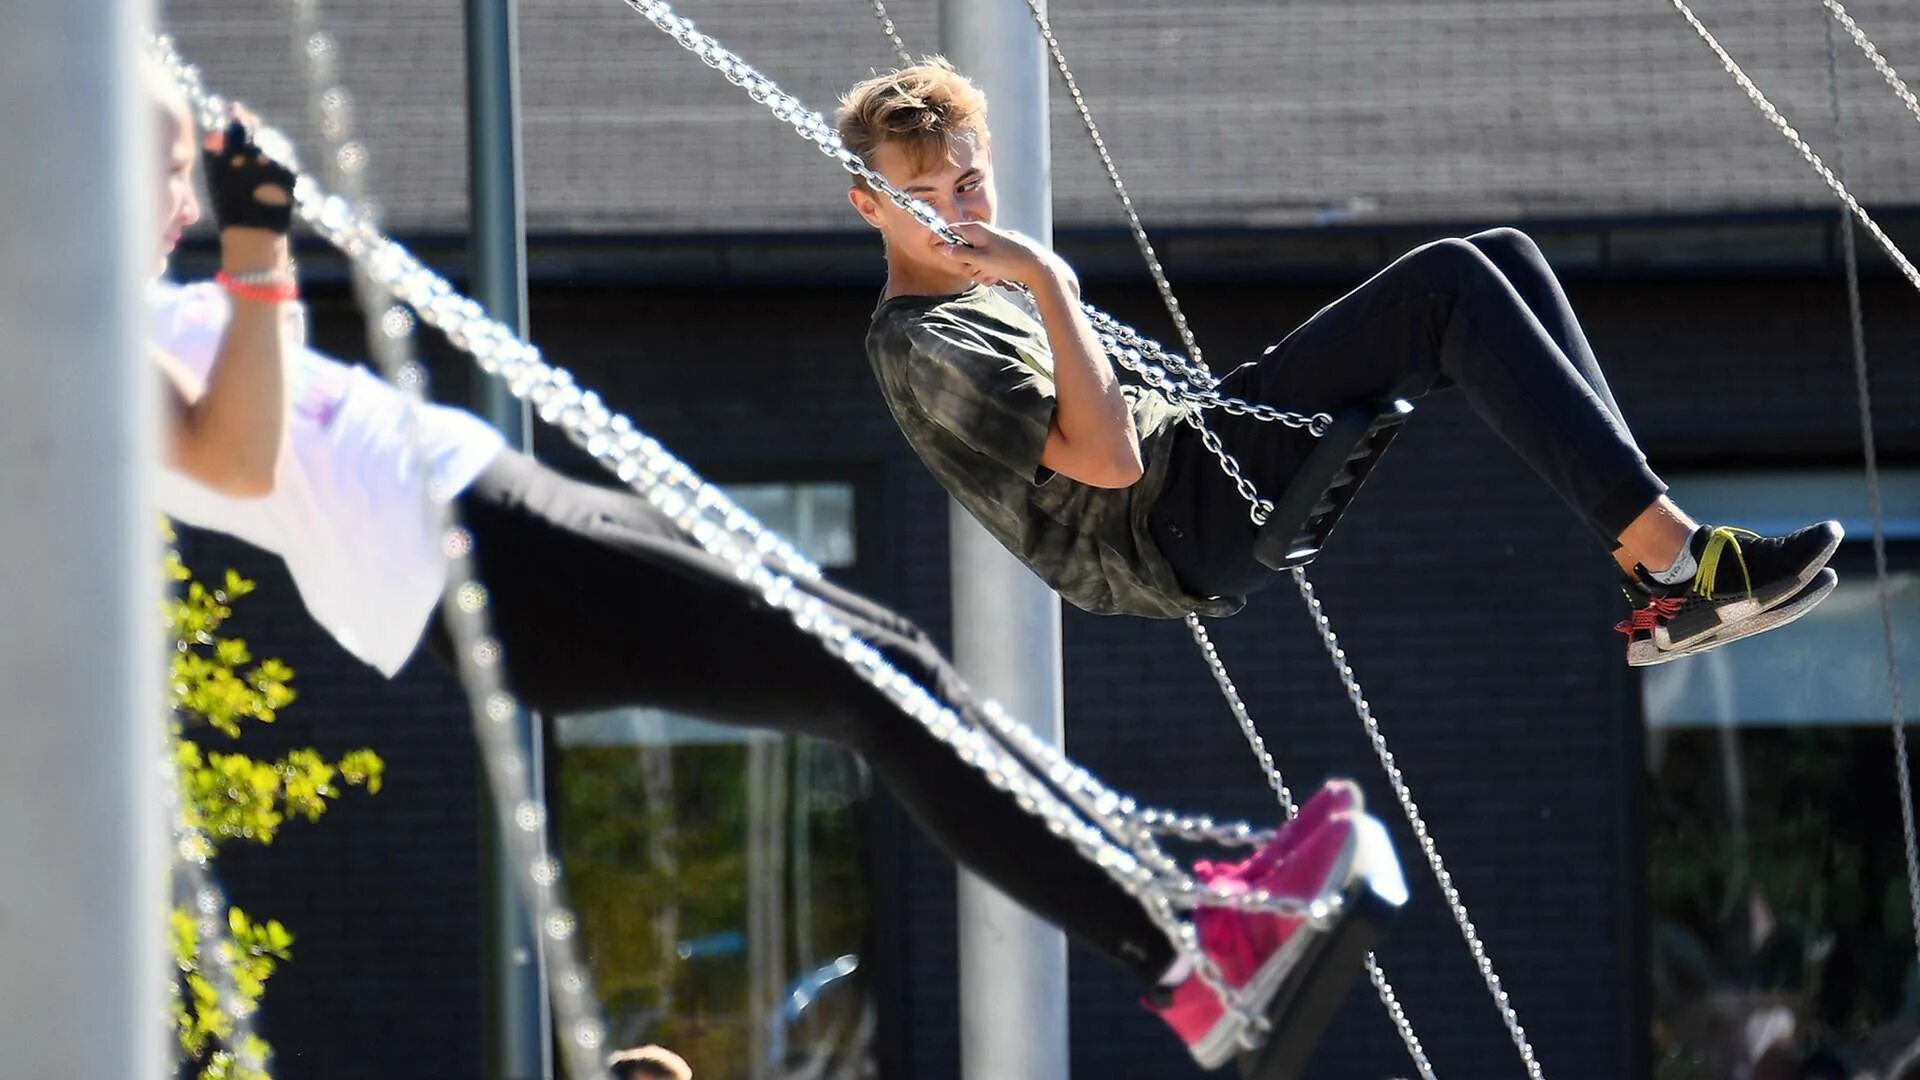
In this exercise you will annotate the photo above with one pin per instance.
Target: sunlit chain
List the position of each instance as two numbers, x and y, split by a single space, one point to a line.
1786 130
1147 254
1259 508
1138 353
494 345
1375 973
195 889
1199 388
464 601
1120 820
1136 830
1863 393
639 460
1880 63
1482 960
1268 767
893 33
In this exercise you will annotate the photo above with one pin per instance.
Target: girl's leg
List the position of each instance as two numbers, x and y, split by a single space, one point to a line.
600 604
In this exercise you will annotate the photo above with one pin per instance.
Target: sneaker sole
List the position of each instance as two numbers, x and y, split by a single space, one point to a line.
1644 653
1225 1038
1302 983
1689 629
1313 991
1306 1005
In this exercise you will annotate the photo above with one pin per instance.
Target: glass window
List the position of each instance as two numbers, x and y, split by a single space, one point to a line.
1782 936
817 517
722 874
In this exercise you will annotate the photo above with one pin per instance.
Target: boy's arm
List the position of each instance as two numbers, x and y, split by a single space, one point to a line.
1092 437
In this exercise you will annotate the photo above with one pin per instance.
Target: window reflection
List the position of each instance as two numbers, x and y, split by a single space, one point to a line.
721 874
816 517
721 880
1782 932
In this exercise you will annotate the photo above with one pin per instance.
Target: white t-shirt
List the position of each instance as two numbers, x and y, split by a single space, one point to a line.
348 512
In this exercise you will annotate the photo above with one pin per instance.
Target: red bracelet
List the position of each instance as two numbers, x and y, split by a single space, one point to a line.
281 292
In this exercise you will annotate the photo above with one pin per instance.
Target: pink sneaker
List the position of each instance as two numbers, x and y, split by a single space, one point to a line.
1334 796
1255 952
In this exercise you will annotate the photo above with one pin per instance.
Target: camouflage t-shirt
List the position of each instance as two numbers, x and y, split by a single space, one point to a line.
969 379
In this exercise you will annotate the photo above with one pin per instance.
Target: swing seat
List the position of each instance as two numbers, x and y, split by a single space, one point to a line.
1306 512
1306 1002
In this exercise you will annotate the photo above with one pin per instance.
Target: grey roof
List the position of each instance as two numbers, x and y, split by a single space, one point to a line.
1221 112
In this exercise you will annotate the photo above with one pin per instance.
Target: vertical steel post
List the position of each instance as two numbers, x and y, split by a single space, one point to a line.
1013 967
516 1020
83 835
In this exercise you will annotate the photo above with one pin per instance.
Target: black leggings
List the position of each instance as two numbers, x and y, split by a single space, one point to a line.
1485 315
601 603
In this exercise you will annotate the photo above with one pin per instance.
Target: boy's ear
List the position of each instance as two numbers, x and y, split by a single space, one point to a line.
867 206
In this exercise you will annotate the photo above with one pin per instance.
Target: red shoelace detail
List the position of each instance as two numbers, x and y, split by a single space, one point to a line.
1644 618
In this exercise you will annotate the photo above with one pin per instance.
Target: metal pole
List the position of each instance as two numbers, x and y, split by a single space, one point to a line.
517 1022
83 834
1006 623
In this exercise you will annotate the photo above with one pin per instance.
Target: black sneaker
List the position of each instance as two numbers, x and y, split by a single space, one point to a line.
1642 652
1741 575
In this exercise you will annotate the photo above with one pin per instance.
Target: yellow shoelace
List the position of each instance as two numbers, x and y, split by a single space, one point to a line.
1719 540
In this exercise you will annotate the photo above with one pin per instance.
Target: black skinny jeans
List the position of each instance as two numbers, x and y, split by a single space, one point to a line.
1485 315
600 603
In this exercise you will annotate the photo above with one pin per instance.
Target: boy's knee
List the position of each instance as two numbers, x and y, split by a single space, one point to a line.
1505 239
1448 264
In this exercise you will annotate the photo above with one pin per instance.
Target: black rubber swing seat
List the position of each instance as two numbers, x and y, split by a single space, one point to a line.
1305 513
1307 1000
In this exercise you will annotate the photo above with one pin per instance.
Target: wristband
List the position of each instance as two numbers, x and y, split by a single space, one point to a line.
264 286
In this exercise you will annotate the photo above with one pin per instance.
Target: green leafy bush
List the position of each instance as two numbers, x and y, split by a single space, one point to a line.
216 687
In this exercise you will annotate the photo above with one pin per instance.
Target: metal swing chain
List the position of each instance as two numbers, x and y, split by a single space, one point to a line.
1863 393
1145 358
1194 368
1376 974
1134 225
1260 508
1160 885
1774 117
521 814
1879 62
1482 960
892 32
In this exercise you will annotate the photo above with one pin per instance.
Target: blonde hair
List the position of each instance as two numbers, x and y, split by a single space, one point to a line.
649 1061
918 108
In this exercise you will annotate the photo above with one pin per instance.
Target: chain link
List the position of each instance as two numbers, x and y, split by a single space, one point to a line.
893 35
1271 769
1138 354
1193 368
1879 62
519 810
1259 509
1428 847
1863 394
1134 225
1787 131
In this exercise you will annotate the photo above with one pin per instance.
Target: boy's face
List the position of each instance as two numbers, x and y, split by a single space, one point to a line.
958 184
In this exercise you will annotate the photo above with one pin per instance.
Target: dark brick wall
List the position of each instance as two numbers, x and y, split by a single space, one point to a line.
1475 609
